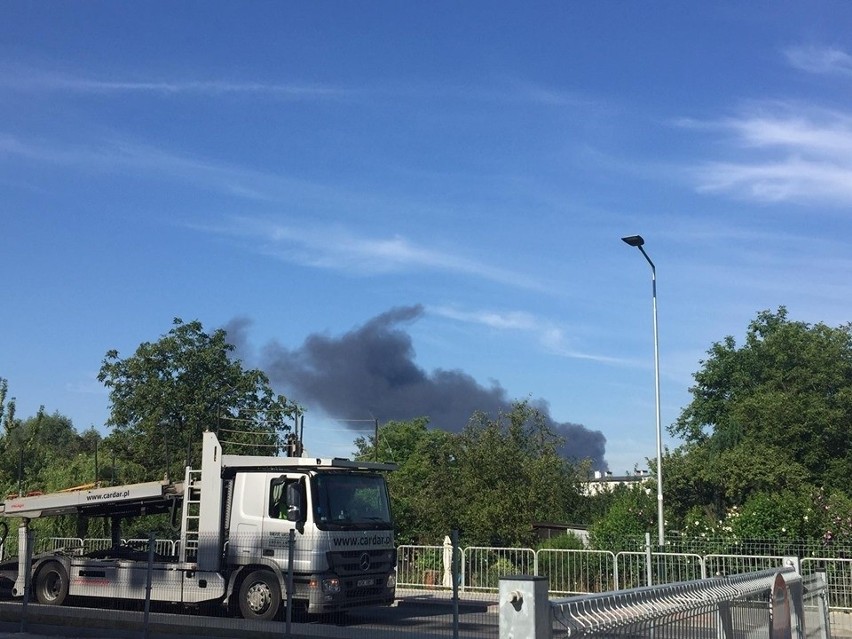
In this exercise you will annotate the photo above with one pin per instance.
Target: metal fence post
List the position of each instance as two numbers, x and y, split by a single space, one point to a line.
149 579
454 570
823 608
648 559
725 629
795 589
525 608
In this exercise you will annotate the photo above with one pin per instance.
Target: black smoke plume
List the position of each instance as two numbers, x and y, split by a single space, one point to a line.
370 372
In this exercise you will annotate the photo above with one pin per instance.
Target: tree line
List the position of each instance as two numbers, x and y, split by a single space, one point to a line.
766 446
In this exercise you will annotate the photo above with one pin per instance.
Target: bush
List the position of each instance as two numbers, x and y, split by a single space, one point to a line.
632 514
500 568
568 541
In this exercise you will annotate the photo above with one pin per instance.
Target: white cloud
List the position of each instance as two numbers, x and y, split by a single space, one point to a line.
319 246
503 90
336 247
117 155
551 337
793 179
29 80
820 60
785 152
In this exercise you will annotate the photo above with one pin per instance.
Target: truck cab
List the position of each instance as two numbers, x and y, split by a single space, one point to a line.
343 552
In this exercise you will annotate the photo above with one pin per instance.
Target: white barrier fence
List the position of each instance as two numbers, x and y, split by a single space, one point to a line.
569 572
577 572
165 547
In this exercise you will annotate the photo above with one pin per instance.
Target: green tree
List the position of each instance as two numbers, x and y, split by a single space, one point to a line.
398 440
169 391
632 514
769 422
424 489
492 481
783 399
700 475
512 476
36 448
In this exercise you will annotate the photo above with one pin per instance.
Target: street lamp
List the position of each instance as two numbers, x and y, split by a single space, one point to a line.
637 241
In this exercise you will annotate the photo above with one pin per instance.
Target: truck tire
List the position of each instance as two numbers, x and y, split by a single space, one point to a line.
51 586
260 596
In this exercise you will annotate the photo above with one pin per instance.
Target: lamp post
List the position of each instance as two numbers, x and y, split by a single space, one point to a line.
637 241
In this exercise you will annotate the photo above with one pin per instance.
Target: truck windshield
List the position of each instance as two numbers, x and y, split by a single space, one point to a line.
346 501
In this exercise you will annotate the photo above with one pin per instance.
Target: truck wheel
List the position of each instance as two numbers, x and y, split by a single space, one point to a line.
51 585
260 596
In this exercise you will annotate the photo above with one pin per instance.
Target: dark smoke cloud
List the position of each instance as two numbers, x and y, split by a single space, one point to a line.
370 372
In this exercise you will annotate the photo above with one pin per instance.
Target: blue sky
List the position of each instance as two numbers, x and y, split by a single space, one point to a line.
300 170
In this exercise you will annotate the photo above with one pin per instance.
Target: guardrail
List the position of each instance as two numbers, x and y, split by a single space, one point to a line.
577 571
635 569
838 577
570 572
78 545
593 571
768 603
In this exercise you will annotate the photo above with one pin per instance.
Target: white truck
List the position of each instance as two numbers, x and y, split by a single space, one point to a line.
236 517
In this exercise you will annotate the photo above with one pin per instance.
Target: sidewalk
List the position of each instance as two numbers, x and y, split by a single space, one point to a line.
468 601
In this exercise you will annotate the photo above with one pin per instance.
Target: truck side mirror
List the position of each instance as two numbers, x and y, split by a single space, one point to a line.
295 508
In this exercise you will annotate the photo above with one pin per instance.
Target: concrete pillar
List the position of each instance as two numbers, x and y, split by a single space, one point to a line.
525 608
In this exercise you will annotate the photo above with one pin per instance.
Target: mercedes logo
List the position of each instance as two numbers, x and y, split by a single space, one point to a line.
364 562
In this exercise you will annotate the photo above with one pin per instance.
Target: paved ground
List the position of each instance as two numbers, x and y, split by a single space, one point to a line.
415 614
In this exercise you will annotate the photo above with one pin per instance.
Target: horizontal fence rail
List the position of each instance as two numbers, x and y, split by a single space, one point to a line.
77 545
577 571
728 607
483 566
425 566
838 577
570 572
721 565
632 568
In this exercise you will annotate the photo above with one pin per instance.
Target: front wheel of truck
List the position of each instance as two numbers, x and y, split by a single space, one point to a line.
260 596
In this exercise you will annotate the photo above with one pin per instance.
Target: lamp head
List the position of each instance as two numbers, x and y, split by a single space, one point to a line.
633 240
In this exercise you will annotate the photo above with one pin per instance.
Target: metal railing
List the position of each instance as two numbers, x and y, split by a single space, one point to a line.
635 569
483 565
585 571
77 545
734 606
425 566
577 571
721 565
838 577
570 572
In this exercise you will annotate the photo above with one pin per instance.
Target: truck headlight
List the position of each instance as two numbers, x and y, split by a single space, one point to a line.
392 580
331 585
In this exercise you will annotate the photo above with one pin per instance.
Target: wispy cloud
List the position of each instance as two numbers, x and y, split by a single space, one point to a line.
335 247
319 246
504 90
785 152
123 156
820 60
322 246
43 81
551 337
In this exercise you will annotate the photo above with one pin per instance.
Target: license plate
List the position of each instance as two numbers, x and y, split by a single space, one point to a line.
365 582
